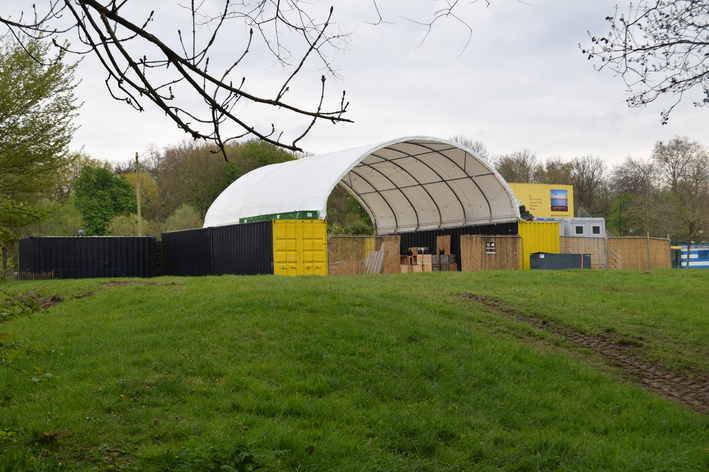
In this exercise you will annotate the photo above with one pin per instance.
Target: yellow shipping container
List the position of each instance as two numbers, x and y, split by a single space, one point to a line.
300 247
538 236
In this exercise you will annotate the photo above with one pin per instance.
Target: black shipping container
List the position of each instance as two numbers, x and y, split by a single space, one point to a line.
74 257
241 249
548 261
187 253
428 238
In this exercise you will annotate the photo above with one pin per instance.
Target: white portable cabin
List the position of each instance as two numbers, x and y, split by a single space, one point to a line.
584 227
579 227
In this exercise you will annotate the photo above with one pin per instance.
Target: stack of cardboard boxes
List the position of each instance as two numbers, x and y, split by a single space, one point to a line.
420 262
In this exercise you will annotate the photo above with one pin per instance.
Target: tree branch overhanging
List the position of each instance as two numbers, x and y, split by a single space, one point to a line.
205 100
660 48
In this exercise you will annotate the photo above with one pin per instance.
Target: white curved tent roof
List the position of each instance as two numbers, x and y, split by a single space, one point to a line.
406 184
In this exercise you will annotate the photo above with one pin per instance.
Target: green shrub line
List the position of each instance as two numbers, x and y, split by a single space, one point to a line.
354 373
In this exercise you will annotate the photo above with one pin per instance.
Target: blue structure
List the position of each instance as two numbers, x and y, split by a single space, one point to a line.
698 256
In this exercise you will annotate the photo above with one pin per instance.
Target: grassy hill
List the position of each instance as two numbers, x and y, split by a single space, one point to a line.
513 371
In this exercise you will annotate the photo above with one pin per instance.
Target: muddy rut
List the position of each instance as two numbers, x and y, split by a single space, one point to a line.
617 350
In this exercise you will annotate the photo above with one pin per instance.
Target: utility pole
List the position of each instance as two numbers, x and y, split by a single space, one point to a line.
137 191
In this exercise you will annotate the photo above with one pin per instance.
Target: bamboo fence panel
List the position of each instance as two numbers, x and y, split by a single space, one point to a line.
636 253
391 247
632 251
26 275
475 254
660 251
443 243
596 247
347 254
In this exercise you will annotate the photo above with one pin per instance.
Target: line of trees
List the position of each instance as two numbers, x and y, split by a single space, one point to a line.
178 184
665 193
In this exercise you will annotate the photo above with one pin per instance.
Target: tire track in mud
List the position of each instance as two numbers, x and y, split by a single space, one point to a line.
617 349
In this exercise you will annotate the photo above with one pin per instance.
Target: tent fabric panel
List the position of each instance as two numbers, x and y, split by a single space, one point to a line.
449 205
405 184
399 204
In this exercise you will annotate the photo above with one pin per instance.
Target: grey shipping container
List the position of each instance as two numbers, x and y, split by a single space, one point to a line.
550 261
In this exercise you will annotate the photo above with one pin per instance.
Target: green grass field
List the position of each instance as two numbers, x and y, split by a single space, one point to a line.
510 371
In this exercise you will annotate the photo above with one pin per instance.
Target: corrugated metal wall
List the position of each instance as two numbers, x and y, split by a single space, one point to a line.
428 238
244 249
300 247
89 257
539 236
187 253
241 249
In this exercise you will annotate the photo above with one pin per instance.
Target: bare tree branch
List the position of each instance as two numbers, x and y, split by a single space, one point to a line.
186 75
172 79
660 47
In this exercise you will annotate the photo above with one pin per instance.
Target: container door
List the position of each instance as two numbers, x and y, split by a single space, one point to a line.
538 236
300 247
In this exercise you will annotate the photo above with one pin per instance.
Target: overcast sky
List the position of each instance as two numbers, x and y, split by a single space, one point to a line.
521 83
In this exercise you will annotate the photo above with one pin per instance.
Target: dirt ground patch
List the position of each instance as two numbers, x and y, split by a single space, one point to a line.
44 301
122 283
619 350
49 301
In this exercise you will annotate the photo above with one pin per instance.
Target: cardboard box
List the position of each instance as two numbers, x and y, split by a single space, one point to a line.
405 268
427 267
417 268
404 260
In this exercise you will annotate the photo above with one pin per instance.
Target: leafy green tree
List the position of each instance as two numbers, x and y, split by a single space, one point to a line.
191 172
100 195
37 108
63 220
149 194
185 217
127 225
65 179
345 215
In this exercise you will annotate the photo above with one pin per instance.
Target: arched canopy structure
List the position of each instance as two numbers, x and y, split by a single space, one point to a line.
407 184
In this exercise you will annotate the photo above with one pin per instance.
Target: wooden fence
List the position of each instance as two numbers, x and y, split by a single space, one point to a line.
490 252
596 247
633 253
347 254
639 253
26 275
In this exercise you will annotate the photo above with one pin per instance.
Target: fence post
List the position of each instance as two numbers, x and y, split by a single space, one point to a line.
649 256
